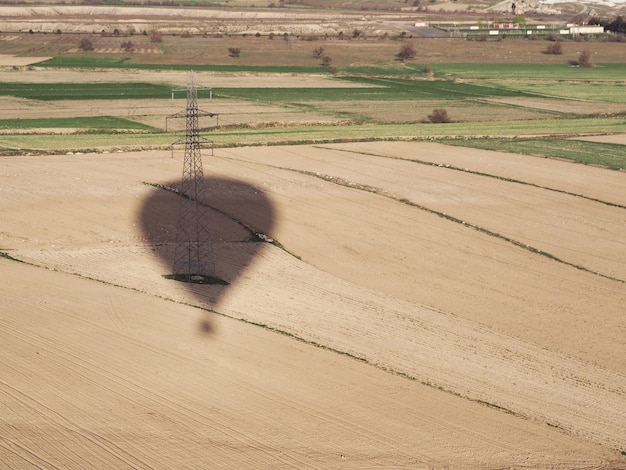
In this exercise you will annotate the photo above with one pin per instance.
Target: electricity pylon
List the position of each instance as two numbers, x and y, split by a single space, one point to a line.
194 259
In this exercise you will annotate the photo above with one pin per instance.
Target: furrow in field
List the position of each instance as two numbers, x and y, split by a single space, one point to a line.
417 256
588 181
120 380
409 291
581 233
155 389
436 348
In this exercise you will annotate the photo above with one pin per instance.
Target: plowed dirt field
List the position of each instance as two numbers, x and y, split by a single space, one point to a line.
422 306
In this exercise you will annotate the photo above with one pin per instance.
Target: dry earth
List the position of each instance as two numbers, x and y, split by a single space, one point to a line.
610 139
311 21
475 351
175 20
386 336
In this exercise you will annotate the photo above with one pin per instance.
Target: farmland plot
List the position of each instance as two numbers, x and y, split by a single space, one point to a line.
411 293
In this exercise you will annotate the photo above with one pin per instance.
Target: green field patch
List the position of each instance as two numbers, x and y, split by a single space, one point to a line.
127 63
86 62
380 89
85 91
450 132
608 92
92 122
382 70
564 71
612 156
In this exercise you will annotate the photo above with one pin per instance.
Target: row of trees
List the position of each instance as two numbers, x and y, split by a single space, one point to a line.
406 52
584 56
85 44
618 25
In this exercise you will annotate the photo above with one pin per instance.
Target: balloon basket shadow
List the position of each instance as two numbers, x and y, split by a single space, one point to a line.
196 279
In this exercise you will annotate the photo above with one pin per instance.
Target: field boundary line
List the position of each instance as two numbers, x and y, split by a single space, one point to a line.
443 215
480 173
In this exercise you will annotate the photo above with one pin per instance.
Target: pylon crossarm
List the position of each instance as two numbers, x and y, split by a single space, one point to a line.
186 114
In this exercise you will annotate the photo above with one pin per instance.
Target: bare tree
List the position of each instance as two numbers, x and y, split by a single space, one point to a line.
584 58
155 36
554 48
234 52
317 52
127 46
439 115
85 44
406 52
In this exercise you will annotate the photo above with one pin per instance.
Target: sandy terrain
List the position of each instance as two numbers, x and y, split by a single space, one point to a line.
609 139
517 358
227 21
176 78
8 60
95 19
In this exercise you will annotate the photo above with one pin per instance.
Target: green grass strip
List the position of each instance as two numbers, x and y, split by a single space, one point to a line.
91 122
85 91
602 92
611 156
318 134
475 70
552 72
127 63
376 89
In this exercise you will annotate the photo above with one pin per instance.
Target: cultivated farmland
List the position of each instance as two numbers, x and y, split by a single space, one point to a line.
402 293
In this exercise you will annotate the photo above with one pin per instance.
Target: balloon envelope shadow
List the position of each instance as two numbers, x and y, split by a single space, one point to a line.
240 222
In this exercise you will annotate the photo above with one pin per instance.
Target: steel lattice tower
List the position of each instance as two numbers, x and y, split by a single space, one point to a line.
194 260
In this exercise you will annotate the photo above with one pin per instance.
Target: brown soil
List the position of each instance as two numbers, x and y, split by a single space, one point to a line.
416 316
518 359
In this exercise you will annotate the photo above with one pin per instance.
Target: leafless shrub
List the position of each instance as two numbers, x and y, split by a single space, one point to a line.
85 44
326 61
584 58
234 52
439 115
317 52
406 52
127 46
555 48
156 36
